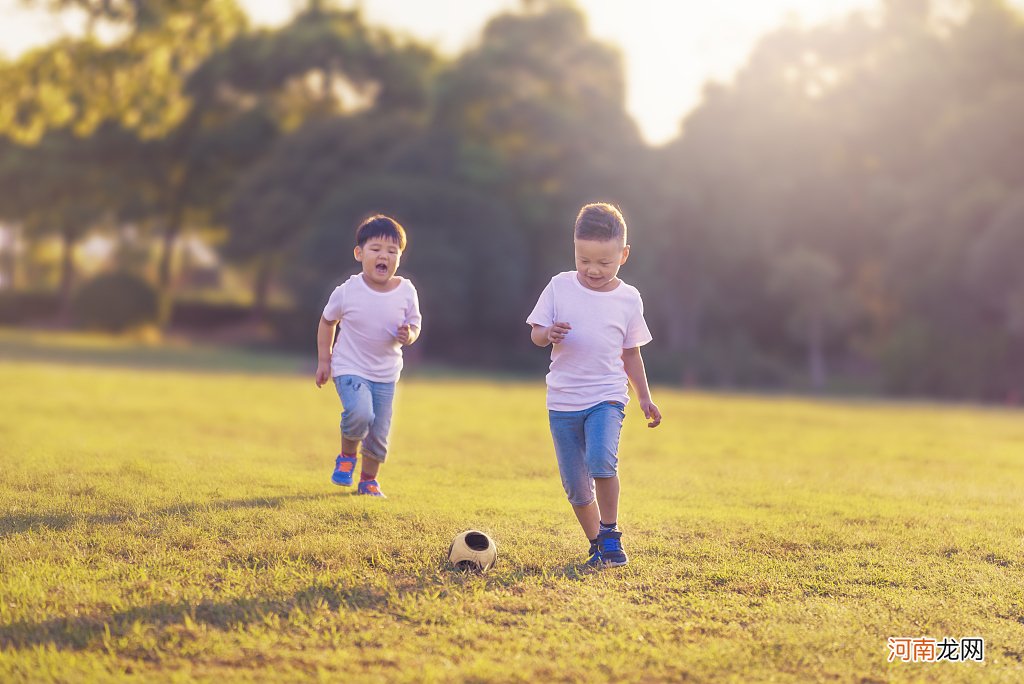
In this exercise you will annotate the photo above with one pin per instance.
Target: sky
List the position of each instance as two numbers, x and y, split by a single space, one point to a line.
671 48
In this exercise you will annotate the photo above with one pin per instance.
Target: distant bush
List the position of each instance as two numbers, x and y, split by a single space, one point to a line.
115 302
17 307
295 328
197 314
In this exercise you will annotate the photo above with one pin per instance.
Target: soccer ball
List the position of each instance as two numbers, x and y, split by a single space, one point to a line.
472 550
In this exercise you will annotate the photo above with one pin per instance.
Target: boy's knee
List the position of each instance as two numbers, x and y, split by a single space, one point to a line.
355 423
375 453
577 500
579 493
603 465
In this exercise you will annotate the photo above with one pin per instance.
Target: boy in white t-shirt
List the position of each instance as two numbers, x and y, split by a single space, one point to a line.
595 323
379 313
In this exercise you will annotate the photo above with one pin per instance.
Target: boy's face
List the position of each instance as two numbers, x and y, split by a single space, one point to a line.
598 262
379 257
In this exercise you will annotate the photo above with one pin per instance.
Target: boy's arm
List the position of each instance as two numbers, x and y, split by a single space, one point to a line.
408 333
324 347
553 334
633 363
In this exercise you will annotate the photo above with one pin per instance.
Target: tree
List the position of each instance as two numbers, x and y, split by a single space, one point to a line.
54 188
535 115
810 285
994 271
465 256
349 94
136 84
272 207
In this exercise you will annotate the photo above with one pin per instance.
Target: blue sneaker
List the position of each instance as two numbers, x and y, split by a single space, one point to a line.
370 488
344 468
594 555
609 544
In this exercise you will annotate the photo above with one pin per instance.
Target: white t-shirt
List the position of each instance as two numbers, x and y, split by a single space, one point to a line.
366 344
586 367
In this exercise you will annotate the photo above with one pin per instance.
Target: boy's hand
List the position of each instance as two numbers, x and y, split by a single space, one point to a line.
651 412
323 373
557 332
404 335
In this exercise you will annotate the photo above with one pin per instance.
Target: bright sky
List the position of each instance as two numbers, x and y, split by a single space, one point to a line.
671 47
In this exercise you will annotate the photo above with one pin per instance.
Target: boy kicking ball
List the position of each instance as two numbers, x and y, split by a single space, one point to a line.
595 324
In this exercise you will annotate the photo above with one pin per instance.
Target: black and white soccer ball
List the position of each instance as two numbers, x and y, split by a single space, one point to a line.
473 550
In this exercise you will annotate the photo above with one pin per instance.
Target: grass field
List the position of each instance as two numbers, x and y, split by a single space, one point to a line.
166 524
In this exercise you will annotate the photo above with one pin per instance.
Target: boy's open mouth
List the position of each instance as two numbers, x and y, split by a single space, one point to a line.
381 268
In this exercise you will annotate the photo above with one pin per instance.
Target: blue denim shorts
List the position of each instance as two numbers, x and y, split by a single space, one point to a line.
366 413
586 446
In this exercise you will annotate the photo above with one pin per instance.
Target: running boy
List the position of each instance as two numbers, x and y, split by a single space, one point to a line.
379 313
595 323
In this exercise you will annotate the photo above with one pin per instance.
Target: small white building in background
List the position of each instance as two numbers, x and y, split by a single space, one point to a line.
10 246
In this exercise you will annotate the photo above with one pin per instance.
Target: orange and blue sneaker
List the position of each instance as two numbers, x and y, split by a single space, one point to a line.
609 544
344 468
370 488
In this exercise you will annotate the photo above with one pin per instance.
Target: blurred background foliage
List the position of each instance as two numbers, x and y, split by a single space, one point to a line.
847 213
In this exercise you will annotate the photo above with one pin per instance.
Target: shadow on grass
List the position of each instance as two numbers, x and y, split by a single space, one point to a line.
574 572
166 622
171 619
19 523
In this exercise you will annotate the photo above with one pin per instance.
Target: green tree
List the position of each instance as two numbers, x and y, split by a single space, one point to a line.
994 270
465 256
138 84
349 94
535 115
273 205
809 283
54 188
137 81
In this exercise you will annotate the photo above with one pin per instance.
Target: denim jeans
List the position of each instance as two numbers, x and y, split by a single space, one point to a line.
586 446
366 413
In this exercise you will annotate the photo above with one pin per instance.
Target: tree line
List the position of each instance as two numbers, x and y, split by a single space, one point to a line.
848 209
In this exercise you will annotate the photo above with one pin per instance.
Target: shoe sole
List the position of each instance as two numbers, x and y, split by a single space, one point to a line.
615 564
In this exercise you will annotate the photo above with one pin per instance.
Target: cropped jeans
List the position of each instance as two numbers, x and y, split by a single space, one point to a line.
586 446
366 413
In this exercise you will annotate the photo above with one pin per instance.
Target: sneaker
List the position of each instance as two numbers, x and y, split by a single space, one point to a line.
594 555
344 467
370 488
610 548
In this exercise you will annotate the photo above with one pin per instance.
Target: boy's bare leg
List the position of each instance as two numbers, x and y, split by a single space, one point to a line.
349 446
590 519
370 466
607 498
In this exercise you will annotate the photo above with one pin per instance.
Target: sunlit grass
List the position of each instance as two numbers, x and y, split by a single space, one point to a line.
165 524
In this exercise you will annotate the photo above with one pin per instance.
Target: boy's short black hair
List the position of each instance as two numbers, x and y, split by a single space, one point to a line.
380 226
600 221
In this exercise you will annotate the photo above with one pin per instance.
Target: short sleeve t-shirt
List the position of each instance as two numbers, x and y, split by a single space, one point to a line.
366 344
586 367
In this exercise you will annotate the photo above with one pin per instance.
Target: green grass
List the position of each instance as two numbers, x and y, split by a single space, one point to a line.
167 525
